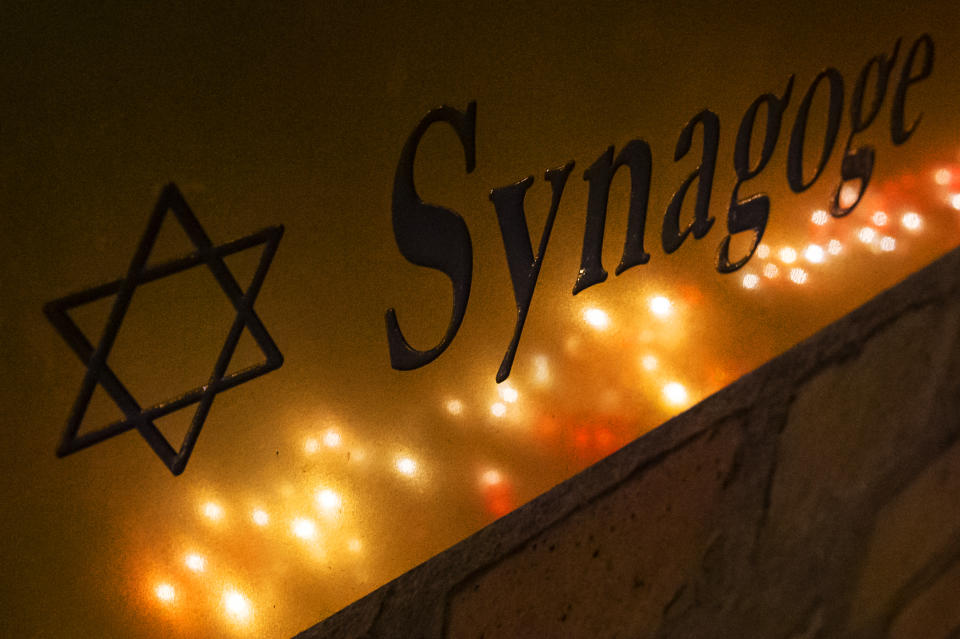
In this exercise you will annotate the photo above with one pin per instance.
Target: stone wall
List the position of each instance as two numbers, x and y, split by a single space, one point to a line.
818 496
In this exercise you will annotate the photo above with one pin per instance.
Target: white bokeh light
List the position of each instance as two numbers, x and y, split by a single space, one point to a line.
814 254
661 306
260 517
911 221
406 466
675 393
596 318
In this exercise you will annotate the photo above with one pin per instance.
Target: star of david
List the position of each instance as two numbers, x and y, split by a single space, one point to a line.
95 358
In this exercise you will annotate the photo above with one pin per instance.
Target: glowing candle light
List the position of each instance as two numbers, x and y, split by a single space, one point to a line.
888 244
675 393
212 511
649 362
910 221
788 255
596 318
943 177
814 254
819 217
541 369
507 393
303 528
332 439
454 407
491 477
750 281
328 499
866 234
260 517
798 275
834 247
660 306
195 562
848 195
499 409
165 592
406 466
880 218
770 270
236 605
763 251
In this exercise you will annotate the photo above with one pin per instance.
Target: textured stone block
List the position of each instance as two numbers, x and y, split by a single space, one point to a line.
818 496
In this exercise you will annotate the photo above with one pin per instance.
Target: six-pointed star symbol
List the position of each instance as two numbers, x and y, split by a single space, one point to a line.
95 358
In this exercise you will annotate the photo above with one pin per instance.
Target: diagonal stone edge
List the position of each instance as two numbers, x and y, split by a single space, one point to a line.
413 604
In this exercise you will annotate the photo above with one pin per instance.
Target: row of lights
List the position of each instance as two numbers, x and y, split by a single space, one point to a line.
235 604
239 608
816 254
674 393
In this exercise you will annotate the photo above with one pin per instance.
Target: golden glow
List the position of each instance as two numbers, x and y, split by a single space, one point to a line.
661 306
406 466
866 234
454 407
596 318
491 477
910 221
236 605
814 254
649 362
507 393
165 592
195 562
675 393
346 452
848 195
304 528
332 439
541 369
328 499
213 511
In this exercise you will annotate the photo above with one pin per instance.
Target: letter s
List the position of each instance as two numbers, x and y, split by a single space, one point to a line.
432 236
